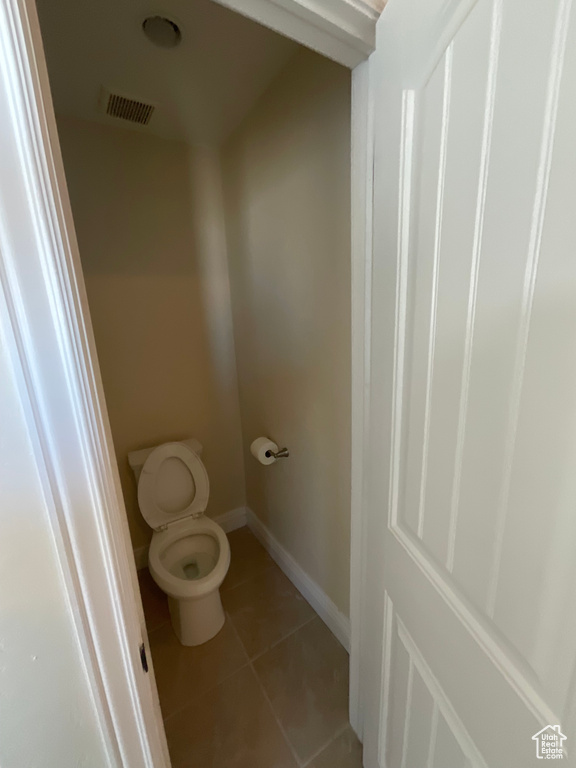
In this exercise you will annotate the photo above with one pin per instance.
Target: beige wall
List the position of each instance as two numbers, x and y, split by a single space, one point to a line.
287 184
47 715
148 217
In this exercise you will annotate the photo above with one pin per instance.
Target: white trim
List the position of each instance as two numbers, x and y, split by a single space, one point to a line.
232 520
524 683
342 30
384 708
334 619
52 350
228 521
362 148
441 702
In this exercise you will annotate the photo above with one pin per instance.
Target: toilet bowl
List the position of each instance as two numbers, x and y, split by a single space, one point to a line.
189 554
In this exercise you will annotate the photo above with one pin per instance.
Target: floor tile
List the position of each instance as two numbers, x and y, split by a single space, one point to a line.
230 727
265 609
248 558
154 601
344 752
184 673
306 679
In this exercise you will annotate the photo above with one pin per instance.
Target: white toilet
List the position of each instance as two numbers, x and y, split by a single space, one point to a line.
189 555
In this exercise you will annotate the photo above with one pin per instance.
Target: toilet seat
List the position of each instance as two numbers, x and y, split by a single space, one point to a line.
154 495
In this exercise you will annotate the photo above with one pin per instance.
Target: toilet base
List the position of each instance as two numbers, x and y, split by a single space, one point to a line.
197 621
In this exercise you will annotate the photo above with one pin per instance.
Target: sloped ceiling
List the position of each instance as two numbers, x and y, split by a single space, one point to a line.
202 89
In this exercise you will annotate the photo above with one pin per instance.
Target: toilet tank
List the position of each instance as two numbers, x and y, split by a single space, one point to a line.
136 459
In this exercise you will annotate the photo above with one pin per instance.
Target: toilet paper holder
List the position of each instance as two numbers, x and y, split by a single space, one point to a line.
283 453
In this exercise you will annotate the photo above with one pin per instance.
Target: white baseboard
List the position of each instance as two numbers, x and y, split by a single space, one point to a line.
229 521
334 619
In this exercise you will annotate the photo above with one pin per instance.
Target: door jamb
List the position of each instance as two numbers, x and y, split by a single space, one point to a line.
54 352
362 162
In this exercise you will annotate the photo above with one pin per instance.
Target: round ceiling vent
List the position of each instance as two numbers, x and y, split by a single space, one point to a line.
162 31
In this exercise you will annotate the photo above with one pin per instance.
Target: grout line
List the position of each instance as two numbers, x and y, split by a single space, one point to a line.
278 723
216 684
198 696
238 638
334 736
272 566
266 698
274 715
249 578
324 746
156 628
249 662
276 643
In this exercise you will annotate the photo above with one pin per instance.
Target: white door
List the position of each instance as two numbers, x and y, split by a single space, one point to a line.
472 487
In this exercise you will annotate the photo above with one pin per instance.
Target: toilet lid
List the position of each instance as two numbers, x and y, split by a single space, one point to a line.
173 484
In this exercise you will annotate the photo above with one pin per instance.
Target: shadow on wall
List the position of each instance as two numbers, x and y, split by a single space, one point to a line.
287 182
149 222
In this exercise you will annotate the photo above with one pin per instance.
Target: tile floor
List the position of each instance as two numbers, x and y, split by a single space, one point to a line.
269 691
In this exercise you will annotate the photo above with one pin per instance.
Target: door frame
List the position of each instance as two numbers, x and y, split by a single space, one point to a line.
53 353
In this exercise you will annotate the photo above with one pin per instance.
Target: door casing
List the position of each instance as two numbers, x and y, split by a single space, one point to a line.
54 355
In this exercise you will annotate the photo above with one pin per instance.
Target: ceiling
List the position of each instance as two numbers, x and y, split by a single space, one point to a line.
202 89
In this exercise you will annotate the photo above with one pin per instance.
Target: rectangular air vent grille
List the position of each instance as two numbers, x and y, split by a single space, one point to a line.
129 109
